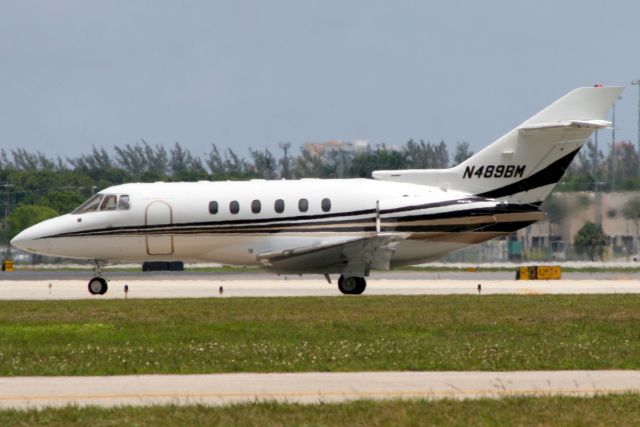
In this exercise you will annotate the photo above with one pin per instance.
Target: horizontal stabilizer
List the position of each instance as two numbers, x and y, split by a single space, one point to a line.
577 124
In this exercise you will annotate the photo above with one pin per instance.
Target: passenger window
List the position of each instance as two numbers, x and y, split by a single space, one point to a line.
256 206
279 206
123 203
108 203
90 205
234 207
303 205
325 205
213 208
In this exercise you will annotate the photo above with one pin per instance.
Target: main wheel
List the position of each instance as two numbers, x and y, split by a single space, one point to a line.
352 285
98 286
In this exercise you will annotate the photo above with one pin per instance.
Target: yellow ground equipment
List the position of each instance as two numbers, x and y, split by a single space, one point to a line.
7 265
539 272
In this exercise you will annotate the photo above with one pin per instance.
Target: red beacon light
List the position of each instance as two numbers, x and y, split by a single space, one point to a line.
597 85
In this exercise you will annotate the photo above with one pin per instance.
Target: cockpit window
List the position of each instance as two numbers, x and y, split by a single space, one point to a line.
104 202
90 205
108 203
123 203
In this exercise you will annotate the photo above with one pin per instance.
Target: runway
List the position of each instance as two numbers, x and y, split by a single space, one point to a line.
222 389
279 287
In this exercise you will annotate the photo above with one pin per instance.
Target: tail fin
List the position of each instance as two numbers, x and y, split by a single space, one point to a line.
524 165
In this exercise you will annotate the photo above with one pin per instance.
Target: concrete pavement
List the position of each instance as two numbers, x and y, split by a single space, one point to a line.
313 387
199 288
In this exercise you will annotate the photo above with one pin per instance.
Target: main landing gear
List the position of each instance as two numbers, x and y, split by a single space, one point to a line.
98 285
352 285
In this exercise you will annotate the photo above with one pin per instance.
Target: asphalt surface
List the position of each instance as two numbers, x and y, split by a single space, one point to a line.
221 389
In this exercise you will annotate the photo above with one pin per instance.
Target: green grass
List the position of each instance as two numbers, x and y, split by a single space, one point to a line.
501 332
607 410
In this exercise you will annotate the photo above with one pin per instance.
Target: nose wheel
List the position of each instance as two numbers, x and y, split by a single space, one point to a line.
352 285
98 286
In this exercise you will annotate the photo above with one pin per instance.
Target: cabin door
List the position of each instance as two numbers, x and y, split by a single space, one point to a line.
159 242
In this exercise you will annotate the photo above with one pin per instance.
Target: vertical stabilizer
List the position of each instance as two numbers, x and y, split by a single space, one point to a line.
524 165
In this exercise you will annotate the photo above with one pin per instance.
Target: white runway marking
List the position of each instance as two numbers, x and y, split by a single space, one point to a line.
190 288
221 389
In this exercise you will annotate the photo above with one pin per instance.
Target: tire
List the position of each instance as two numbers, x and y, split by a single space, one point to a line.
352 285
105 287
361 285
98 286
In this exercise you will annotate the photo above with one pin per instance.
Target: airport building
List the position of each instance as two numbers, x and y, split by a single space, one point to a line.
554 237
574 210
319 148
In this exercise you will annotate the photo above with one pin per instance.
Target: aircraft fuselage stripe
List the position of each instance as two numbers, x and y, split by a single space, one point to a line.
463 219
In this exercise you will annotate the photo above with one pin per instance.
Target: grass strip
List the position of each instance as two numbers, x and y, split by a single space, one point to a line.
605 410
457 332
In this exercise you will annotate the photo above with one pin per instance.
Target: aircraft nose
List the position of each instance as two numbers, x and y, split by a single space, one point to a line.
31 239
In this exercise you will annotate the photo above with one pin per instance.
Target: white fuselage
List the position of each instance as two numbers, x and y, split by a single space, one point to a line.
174 221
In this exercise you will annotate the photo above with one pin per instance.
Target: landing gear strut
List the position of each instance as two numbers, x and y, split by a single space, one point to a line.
98 286
352 285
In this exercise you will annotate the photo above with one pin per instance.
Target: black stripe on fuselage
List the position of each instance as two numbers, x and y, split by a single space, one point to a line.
451 228
282 221
344 225
496 210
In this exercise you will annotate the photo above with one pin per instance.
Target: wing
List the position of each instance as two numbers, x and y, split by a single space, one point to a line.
354 256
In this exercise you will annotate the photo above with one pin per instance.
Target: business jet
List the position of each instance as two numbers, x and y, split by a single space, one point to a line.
333 226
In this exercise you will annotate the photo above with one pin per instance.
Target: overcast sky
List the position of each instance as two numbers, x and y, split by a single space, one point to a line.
253 73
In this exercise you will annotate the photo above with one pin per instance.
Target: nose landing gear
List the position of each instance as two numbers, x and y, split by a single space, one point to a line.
352 285
98 286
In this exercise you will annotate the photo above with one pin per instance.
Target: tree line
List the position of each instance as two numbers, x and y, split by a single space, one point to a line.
37 186
619 170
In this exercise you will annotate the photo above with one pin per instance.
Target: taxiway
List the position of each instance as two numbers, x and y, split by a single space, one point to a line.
279 287
314 387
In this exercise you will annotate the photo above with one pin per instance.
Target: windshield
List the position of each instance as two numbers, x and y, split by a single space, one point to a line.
90 205
104 202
